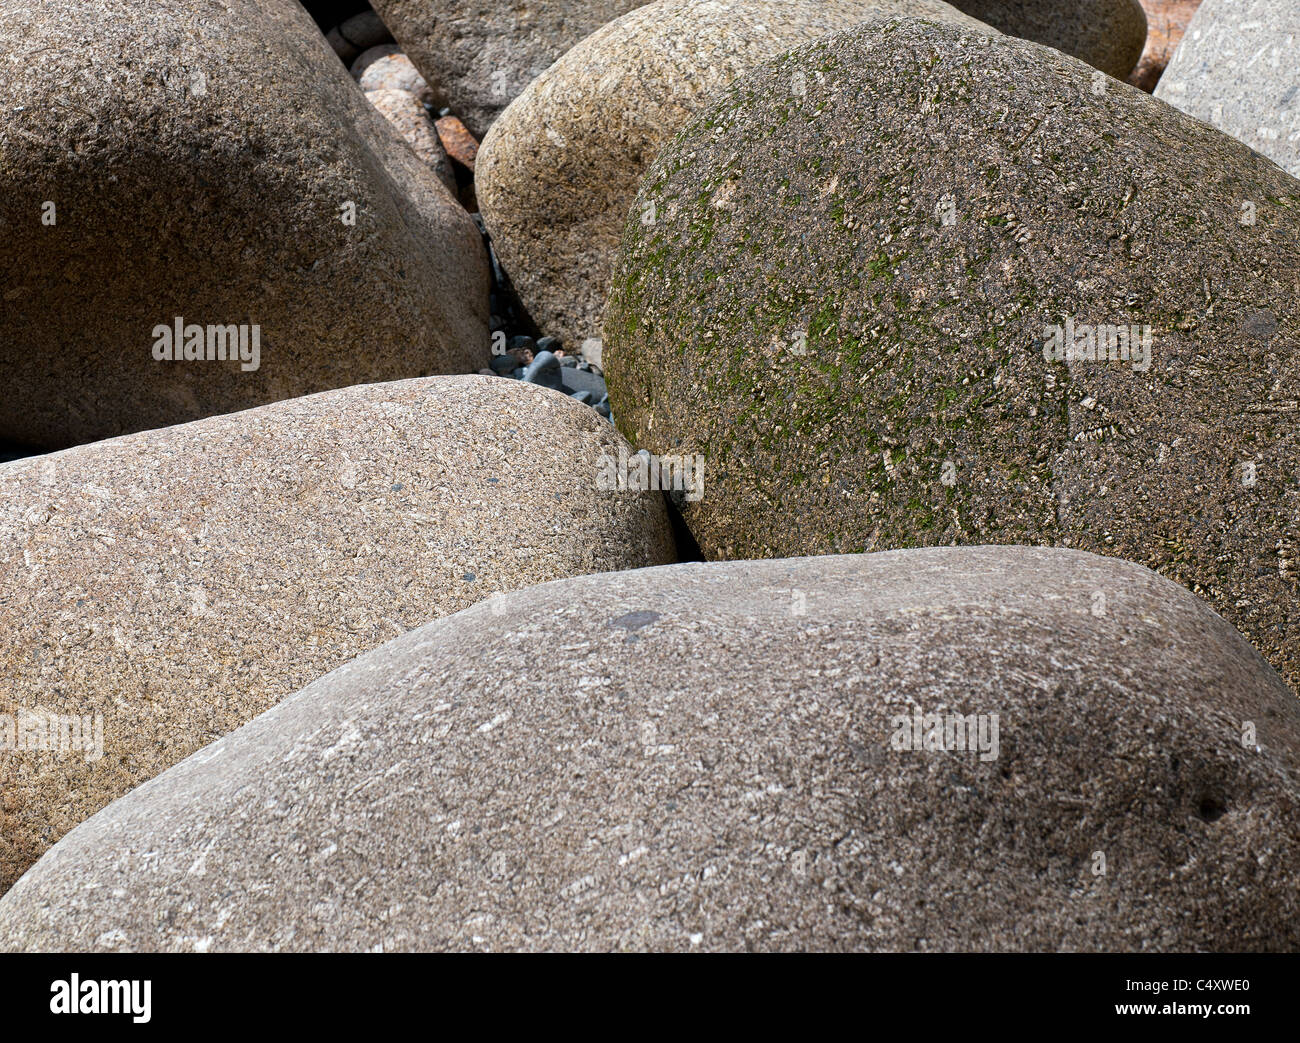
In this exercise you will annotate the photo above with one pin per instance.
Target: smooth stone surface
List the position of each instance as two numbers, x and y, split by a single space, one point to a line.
859 374
367 58
1108 34
365 30
209 182
1238 67
179 582
411 119
559 170
575 380
711 763
482 53
346 51
395 72
545 370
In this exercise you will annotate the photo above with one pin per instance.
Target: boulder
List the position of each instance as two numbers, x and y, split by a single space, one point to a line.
396 73
1108 34
560 168
1238 67
855 305
411 119
210 165
482 55
728 756
163 588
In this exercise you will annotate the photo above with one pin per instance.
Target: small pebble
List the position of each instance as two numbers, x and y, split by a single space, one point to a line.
364 30
457 140
544 371
346 51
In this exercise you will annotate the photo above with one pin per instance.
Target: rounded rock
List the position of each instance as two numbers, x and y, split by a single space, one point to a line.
866 342
1107 34
1238 68
395 72
782 796
233 184
186 579
408 116
559 170
482 55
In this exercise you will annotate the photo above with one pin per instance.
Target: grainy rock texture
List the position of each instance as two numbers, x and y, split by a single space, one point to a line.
179 582
1238 67
1108 34
172 159
458 141
846 304
482 53
714 763
411 120
560 168
396 73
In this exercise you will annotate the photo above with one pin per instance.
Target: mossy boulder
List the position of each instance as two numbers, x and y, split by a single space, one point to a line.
559 169
847 301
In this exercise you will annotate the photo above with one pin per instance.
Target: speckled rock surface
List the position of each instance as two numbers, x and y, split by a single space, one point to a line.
411 119
1238 67
482 53
1108 34
198 159
397 73
560 168
656 787
179 582
860 372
